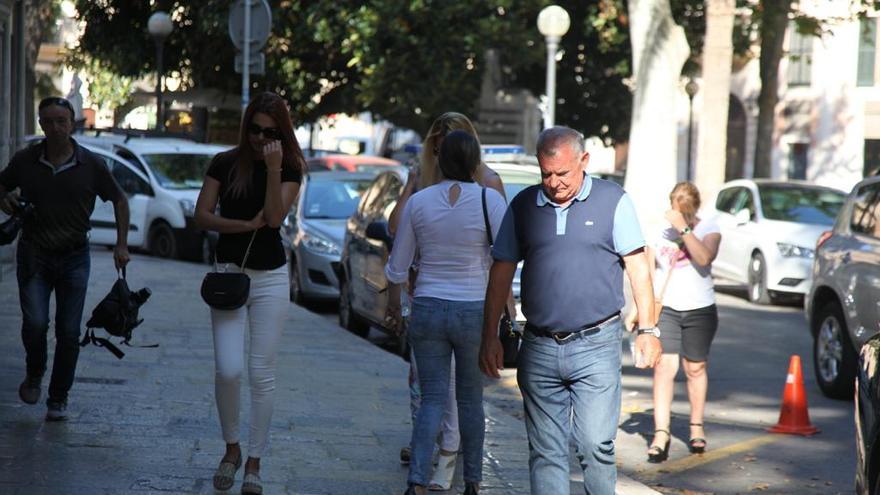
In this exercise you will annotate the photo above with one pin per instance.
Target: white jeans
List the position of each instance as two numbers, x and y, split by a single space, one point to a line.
265 312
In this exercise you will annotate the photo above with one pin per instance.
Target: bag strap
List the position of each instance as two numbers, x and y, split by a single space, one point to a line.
90 338
492 243
486 220
666 282
246 253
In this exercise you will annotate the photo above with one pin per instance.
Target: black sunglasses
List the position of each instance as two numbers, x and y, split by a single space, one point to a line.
268 132
57 101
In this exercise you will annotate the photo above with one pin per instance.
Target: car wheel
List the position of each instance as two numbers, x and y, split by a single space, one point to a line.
347 317
834 359
296 295
758 292
162 241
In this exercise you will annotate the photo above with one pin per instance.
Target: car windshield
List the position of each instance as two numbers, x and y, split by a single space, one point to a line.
333 199
179 170
800 204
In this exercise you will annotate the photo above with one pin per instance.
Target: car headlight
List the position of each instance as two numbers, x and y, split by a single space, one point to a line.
188 206
319 245
793 251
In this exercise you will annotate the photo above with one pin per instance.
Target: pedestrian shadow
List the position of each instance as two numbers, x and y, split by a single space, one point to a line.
641 424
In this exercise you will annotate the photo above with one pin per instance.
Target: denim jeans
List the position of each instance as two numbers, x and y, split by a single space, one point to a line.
438 329
39 272
572 390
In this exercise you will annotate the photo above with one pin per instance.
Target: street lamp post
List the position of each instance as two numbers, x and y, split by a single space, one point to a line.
159 27
691 89
553 23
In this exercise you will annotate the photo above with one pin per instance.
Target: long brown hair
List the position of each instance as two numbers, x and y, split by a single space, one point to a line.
429 173
292 156
686 196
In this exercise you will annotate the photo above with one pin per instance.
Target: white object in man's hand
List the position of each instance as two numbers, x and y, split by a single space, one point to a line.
647 351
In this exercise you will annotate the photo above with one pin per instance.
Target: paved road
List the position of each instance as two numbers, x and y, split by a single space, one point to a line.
748 366
147 424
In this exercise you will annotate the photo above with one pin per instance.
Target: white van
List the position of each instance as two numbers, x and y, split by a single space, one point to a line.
174 169
142 202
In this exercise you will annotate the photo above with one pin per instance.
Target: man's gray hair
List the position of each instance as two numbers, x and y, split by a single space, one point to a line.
551 139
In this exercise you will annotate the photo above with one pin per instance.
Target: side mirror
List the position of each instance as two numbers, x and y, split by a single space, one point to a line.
379 232
743 216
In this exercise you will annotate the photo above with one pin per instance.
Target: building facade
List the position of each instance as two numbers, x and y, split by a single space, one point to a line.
828 119
12 77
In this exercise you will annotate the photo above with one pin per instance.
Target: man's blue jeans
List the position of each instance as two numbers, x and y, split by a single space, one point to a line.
438 329
39 273
572 390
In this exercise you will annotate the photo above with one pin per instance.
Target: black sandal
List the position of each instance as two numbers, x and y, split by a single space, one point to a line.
656 454
697 445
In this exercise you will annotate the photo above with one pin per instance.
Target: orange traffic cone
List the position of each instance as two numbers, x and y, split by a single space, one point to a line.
794 417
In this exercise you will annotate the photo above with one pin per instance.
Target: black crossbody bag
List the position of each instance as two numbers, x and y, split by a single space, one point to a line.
506 333
227 290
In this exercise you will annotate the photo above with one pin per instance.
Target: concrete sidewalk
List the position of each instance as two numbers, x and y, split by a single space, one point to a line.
148 424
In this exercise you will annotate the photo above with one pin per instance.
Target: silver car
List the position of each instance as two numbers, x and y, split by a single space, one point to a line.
314 229
842 305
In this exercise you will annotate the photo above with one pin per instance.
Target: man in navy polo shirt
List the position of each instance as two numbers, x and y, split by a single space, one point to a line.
61 179
576 236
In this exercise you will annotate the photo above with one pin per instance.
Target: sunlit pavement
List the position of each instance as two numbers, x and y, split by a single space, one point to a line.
148 424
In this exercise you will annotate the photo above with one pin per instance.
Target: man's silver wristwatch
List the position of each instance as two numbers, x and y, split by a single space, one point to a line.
651 331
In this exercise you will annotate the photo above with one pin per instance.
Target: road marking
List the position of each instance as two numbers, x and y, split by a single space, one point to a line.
693 461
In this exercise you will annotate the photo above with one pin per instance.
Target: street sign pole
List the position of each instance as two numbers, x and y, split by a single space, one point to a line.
246 58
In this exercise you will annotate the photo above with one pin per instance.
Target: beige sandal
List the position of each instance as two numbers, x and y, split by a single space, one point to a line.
252 484
224 477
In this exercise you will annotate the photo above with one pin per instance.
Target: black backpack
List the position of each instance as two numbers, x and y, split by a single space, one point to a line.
117 313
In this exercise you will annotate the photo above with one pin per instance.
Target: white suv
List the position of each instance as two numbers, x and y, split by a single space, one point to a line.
175 169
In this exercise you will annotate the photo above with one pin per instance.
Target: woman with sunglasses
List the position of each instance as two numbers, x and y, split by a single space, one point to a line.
428 174
255 184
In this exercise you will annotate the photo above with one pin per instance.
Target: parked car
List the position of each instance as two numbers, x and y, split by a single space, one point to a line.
350 163
842 304
614 177
867 417
144 203
175 169
363 287
313 232
770 230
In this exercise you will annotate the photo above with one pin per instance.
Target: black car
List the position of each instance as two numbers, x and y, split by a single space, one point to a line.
867 418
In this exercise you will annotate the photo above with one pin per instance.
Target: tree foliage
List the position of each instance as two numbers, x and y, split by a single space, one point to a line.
404 60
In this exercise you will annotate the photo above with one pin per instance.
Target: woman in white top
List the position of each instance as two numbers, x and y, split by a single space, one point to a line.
682 255
425 175
445 224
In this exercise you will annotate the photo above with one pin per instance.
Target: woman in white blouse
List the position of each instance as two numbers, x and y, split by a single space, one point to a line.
445 224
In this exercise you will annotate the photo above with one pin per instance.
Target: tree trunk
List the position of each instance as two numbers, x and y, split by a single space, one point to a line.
41 15
717 59
773 25
660 49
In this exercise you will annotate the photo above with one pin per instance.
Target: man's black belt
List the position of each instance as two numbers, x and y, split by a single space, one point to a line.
563 336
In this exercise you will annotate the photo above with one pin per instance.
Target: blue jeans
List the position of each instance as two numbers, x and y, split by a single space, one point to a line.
438 329
572 390
40 272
